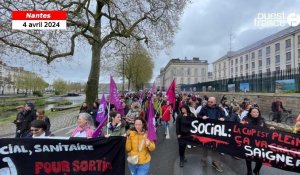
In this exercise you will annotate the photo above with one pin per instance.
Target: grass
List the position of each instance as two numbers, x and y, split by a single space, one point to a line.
48 113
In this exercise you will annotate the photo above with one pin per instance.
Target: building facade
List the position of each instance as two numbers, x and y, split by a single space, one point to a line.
280 51
183 71
8 78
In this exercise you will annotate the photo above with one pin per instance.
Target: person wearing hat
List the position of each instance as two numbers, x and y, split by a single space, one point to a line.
29 116
18 121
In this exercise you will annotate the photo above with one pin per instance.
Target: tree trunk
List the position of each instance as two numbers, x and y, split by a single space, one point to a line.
91 89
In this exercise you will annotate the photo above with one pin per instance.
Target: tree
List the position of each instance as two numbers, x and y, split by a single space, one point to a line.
60 86
29 81
99 23
138 67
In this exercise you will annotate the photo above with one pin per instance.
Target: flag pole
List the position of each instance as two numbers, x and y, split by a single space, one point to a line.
107 118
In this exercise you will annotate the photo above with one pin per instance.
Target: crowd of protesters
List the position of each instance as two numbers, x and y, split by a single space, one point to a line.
31 123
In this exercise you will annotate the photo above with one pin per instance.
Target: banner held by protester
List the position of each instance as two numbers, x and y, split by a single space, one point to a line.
271 147
76 156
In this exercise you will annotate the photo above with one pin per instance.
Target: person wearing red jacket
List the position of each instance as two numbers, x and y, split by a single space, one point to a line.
167 112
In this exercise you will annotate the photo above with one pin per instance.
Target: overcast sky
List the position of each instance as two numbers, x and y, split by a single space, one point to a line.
204 32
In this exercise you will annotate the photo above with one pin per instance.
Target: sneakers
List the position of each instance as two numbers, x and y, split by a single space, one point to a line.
217 166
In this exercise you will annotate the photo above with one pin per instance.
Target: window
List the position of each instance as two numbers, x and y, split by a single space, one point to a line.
298 53
241 60
195 72
268 61
236 69
247 66
288 67
219 66
260 63
277 59
259 53
231 70
288 43
260 71
253 65
203 71
298 39
224 65
268 70
232 61
241 68
253 72
277 47
277 69
268 50
236 61
288 56
188 71
253 55
247 58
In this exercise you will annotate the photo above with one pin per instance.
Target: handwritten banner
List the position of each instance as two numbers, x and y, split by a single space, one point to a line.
62 157
271 147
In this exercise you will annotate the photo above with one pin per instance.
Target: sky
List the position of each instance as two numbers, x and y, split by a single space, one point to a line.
205 29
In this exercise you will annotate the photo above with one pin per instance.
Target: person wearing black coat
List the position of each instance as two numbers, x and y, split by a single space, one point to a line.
29 116
212 111
254 118
234 116
183 123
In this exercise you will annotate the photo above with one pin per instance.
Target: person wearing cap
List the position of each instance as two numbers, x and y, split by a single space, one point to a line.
38 129
18 121
29 116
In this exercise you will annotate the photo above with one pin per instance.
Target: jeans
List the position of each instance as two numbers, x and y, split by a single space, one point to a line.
166 125
139 169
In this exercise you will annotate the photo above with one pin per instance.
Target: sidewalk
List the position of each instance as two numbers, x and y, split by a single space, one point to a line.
68 119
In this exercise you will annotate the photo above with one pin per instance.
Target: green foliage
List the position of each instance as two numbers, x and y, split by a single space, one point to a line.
38 93
138 67
63 103
289 91
60 86
30 81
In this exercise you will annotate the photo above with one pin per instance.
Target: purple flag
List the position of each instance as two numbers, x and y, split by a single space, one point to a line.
151 121
101 117
101 110
114 96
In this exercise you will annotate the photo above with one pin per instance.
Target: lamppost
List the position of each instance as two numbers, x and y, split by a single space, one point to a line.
123 72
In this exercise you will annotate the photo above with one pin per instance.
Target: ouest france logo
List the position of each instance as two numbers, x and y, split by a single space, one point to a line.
279 19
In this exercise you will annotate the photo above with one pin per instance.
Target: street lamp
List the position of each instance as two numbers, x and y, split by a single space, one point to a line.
123 72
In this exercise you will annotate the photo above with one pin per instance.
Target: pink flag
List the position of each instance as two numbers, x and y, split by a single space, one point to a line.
171 93
151 121
101 117
114 96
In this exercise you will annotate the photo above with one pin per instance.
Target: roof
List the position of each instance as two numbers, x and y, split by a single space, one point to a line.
263 42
